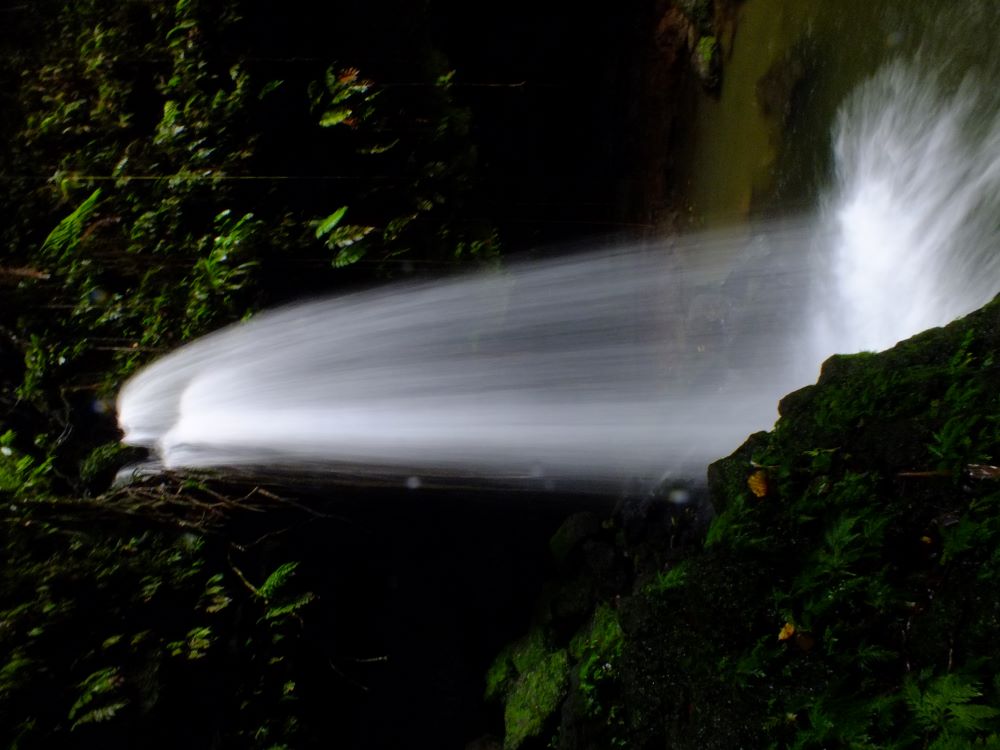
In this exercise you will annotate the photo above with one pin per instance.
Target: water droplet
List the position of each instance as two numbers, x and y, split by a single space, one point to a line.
679 496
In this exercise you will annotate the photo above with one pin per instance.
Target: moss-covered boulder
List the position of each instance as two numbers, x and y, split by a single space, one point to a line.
844 595
530 677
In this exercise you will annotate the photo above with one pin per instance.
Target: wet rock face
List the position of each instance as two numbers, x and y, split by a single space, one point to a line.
673 30
700 13
780 89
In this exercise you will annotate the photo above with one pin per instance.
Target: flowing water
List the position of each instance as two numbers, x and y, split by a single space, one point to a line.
628 361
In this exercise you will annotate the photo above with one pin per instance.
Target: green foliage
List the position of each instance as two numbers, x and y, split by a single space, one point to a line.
121 629
102 462
706 50
165 164
673 578
97 697
955 444
21 474
274 591
277 580
845 594
343 238
945 711
597 649
434 164
65 238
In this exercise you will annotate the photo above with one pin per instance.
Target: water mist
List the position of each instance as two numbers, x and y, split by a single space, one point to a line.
624 362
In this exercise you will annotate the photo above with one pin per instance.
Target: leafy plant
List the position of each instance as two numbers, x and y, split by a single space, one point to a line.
65 238
99 697
945 708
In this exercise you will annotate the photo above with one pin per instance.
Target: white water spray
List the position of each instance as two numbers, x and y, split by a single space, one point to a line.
914 215
620 363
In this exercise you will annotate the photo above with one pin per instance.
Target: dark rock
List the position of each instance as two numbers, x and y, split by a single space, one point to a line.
572 533
781 87
487 742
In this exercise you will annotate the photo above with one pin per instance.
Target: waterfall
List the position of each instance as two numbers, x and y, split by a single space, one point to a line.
623 362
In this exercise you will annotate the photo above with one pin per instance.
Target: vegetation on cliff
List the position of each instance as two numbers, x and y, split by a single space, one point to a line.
844 593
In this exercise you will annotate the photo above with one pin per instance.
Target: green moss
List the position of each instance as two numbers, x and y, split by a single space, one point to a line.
528 652
597 649
500 675
673 578
534 697
602 635
708 47
707 63
531 679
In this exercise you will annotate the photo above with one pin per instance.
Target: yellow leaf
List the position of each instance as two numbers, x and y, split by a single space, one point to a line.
757 482
787 631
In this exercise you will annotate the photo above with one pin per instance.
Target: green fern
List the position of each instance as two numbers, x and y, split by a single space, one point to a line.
277 580
946 706
288 607
64 239
89 706
280 603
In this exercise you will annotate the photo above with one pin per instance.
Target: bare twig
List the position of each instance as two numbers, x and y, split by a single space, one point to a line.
243 579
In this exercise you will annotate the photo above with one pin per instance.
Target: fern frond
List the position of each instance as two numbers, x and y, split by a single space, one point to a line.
946 705
286 608
64 239
103 713
277 580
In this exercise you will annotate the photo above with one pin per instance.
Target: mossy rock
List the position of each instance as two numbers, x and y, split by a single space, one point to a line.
531 679
534 698
845 593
